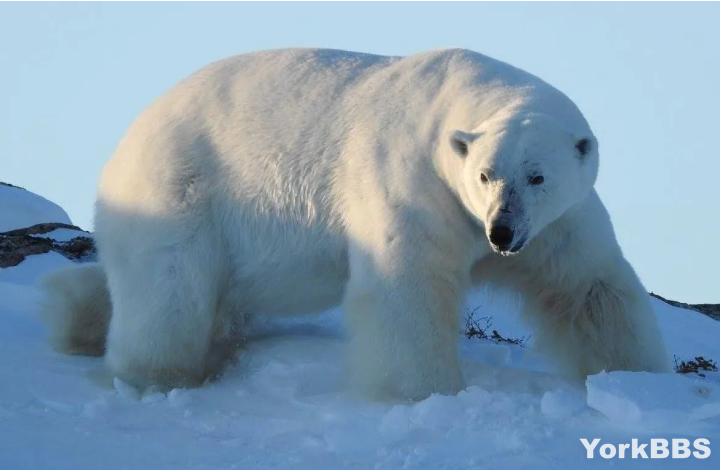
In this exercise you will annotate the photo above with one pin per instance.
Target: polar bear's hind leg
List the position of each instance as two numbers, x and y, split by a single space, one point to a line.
164 315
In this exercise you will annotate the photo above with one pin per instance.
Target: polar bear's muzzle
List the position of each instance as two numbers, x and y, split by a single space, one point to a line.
501 236
505 240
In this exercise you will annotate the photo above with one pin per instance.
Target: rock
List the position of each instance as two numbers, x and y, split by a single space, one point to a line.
17 244
30 224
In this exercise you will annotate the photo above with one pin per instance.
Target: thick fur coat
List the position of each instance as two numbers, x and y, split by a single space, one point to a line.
293 180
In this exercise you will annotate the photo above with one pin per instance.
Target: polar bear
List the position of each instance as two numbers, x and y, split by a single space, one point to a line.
289 181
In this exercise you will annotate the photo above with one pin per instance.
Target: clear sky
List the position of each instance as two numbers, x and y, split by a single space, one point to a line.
646 75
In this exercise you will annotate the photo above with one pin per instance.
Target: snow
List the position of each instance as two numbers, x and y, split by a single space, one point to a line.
562 402
62 234
688 336
33 268
285 403
21 208
633 397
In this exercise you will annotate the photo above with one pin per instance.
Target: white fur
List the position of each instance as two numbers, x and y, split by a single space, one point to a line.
589 308
76 308
288 181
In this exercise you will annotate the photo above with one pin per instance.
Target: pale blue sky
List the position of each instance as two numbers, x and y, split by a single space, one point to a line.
646 75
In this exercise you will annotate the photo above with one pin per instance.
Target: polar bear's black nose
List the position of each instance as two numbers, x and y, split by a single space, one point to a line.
501 237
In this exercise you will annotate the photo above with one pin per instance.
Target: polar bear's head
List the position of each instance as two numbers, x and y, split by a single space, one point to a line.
520 173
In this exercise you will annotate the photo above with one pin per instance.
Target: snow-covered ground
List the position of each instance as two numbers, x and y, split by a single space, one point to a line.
21 208
284 403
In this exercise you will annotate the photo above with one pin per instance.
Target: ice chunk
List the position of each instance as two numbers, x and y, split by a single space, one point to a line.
562 402
126 390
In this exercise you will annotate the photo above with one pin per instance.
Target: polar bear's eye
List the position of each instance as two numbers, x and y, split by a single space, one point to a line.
536 180
483 178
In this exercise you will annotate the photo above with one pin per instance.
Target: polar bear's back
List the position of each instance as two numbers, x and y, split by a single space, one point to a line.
272 125
284 116
264 148
273 128
273 95
240 113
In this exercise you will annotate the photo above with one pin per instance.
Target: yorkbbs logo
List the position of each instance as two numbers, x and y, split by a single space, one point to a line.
656 448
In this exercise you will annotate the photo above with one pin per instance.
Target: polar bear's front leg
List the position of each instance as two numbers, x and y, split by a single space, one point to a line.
603 323
588 306
402 309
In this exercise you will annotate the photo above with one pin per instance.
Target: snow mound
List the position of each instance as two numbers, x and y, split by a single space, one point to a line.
33 268
21 208
660 400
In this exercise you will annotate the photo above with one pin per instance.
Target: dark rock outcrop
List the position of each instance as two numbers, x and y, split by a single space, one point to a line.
18 244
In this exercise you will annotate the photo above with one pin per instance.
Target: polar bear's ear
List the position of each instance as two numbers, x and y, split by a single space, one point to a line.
584 146
461 141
